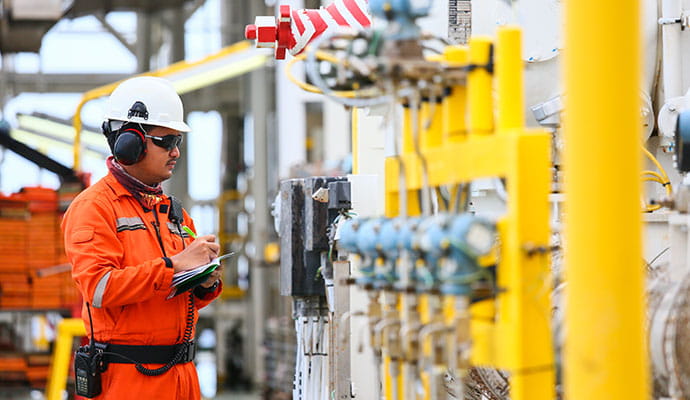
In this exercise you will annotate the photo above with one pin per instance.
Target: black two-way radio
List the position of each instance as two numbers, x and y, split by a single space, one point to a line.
88 366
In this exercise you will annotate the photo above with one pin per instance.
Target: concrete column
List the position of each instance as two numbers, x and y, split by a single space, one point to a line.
143 45
179 183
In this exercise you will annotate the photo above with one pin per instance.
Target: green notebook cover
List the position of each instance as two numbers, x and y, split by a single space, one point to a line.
199 278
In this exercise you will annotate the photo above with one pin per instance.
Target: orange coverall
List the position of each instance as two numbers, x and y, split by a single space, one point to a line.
117 265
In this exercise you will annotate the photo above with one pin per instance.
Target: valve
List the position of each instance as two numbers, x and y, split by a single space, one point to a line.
368 245
428 241
470 238
403 13
293 30
386 275
407 272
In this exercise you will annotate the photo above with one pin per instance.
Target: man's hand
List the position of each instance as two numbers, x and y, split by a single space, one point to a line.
201 251
215 276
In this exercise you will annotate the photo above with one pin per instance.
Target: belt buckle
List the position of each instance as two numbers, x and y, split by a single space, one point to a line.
190 351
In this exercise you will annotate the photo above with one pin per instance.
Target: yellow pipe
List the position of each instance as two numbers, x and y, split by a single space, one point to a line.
480 87
455 104
482 315
605 347
88 96
67 329
424 308
509 83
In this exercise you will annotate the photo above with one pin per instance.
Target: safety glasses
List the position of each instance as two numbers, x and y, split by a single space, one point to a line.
167 142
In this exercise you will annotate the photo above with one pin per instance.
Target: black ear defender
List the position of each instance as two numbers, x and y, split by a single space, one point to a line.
128 143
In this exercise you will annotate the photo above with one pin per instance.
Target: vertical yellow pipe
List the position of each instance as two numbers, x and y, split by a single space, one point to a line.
455 104
408 147
76 148
355 140
605 346
482 315
67 329
407 139
479 87
392 174
509 81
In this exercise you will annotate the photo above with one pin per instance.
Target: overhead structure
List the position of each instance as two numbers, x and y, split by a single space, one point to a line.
23 23
84 7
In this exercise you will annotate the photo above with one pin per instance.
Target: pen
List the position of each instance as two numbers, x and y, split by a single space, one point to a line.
191 232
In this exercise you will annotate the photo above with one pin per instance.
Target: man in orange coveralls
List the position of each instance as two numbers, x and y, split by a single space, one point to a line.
125 241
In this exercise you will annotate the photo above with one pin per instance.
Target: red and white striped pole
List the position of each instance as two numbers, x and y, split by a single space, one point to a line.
293 30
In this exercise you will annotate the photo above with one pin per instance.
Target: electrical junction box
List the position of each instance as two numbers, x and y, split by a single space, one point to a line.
308 206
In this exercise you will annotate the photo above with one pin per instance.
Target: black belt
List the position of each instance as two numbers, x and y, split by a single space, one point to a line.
132 354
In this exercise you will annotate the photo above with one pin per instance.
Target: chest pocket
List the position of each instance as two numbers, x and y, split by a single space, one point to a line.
130 224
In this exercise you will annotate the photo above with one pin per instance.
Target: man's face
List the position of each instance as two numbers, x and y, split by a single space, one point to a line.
159 162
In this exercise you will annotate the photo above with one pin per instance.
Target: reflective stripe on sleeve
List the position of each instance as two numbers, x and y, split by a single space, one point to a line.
100 290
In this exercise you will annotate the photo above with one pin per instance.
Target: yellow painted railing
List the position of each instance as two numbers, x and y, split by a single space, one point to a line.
67 330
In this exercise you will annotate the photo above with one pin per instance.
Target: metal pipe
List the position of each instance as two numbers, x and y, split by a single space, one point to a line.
347 315
410 350
671 11
605 348
389 357
433 363
380 327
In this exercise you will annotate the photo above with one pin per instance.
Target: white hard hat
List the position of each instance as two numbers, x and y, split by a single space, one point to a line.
147 100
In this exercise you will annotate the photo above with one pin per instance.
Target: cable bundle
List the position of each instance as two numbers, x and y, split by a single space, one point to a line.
311 365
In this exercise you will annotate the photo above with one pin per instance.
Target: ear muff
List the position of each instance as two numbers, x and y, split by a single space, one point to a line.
129 146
